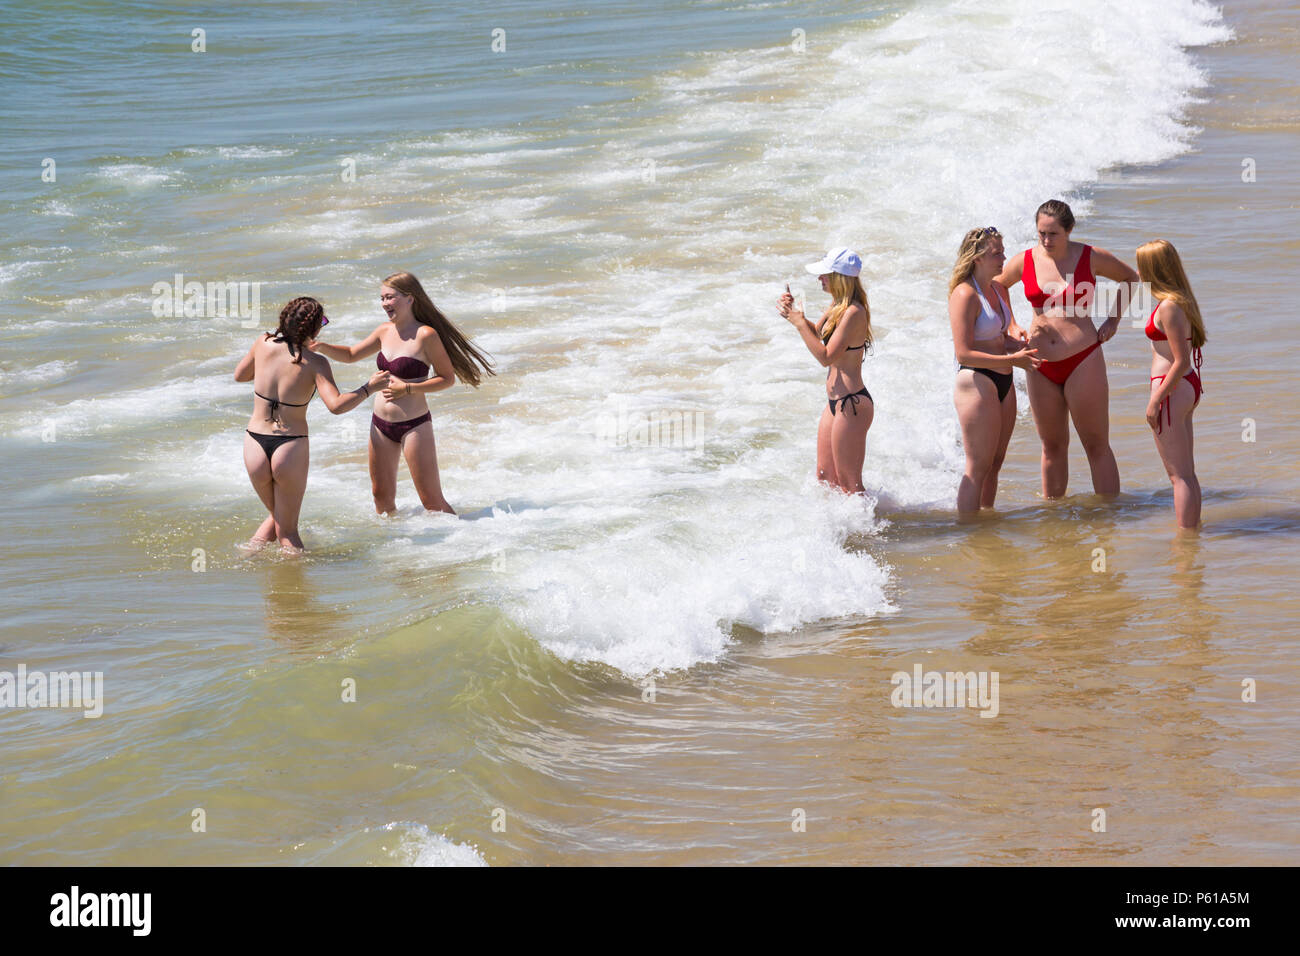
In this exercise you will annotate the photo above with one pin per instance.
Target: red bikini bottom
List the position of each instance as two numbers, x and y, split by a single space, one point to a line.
1059 371
1195 381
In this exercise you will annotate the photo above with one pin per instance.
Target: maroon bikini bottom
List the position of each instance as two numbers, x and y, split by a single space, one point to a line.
394 431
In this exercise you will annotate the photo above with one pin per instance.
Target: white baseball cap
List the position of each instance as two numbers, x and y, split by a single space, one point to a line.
844 261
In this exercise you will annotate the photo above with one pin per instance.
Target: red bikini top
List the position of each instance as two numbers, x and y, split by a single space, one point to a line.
1155 335
1079 291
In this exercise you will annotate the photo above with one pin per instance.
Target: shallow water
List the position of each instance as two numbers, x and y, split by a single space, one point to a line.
610 207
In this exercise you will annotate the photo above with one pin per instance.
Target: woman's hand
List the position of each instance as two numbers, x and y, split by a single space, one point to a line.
1026 359
785 305
1153 413
396 390
378 380
1016 333
1107 330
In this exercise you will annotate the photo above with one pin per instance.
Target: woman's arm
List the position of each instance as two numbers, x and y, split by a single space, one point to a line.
348 353
963 309
1172 320
1012 272
810 335
247 365
1106 265
435 354
329 392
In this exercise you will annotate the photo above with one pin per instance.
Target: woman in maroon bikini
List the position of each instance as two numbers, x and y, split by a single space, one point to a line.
1177 333
416 338
1070 384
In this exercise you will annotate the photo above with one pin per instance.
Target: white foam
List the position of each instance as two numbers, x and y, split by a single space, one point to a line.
136 174
251 152
15 377
660 298
419 846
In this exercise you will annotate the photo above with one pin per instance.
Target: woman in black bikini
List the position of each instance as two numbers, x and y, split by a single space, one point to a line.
416 339
842 438
275 448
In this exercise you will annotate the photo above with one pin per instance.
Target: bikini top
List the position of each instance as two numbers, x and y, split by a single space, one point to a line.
1155 335
1079 290
274 414
404 366
988 325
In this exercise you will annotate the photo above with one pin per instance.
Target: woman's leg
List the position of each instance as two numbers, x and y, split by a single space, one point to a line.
1088 395
825 454
1174 442
976 398
1007 424
259 473
1052 421
422 459
289 469
849 443
384 455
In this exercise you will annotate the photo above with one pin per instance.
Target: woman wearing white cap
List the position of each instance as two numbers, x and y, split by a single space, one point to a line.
838 342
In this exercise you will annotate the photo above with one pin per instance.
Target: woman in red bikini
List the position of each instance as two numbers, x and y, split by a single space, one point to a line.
1177 333
1070 383
415 339
275 448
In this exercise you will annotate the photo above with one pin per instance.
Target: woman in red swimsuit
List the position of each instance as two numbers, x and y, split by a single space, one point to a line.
416 338
1070 384
1177 333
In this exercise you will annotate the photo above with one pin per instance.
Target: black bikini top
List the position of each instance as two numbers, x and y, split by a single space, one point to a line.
274 416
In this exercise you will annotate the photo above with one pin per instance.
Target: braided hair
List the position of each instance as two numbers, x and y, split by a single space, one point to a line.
300 321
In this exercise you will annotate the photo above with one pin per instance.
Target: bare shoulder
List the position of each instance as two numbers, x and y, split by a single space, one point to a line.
318 363
1170 311
1107 259
963 294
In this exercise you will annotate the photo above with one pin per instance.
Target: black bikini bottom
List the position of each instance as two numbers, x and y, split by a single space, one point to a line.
854 399
1001 379
270 443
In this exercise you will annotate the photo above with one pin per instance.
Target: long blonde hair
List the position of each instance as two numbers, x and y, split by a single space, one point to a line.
1162 269
845 291
973 245
465 358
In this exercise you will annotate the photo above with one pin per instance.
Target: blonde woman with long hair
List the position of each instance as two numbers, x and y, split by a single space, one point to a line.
424 353
839 341
979 312
1177 332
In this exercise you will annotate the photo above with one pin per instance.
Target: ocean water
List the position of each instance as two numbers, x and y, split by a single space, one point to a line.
650 636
